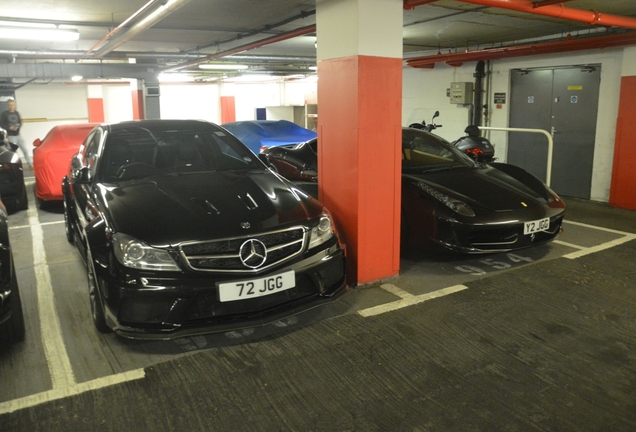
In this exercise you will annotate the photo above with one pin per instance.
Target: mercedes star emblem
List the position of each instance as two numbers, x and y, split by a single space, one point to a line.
253 253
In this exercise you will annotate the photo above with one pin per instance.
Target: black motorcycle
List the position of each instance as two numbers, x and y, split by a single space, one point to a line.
473 144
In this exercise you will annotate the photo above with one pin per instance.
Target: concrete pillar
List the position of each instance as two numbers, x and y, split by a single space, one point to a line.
359 129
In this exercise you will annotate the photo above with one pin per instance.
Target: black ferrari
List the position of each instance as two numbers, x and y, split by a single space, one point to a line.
453 201
185 231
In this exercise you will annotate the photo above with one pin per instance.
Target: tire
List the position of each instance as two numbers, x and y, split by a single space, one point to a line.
12 331
68 226
95 298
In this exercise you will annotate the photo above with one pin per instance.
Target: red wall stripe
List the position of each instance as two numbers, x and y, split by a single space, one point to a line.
138 104
623 187
95 110
228 109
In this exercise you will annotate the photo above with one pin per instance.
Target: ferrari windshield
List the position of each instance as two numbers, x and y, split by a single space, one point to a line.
423 151
136 152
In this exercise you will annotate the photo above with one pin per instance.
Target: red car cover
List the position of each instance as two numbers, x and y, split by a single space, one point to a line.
52 158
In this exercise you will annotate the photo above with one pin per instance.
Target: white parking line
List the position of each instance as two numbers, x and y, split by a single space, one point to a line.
407 299
51 331
29 226
572 245
60 393
598 228
603 246
60 369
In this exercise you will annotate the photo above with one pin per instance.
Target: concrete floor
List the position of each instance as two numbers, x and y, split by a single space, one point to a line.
542 339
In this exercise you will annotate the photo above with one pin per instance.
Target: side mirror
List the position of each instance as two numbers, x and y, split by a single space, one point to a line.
37 142
82 175
436 114
266 161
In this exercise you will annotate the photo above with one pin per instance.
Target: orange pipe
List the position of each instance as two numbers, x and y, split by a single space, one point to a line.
457 59
412 4
588 17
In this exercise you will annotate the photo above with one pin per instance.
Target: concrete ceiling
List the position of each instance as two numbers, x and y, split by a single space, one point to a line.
204 27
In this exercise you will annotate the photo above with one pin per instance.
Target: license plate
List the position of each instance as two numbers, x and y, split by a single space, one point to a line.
252 288
536 226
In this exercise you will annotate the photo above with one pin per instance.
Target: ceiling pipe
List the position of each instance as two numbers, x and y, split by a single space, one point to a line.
267 41
153 18
127 21
542 3
560 11
457 59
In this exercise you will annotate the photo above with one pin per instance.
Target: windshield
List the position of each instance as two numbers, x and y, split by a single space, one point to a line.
423 151
137 152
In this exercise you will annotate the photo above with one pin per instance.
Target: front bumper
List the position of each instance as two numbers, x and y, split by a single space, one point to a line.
496 236
151 306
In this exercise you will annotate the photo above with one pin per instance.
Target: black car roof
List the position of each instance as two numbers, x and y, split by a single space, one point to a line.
162 125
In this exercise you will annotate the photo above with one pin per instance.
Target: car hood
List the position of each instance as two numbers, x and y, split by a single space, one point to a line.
202 206
484 187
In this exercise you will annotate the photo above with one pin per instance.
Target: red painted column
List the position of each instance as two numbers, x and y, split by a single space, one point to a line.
95 103
228 109
359 129
137 94
623 187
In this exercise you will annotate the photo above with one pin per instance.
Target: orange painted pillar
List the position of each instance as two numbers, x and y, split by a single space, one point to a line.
359 129
137 94
228 109
95 103
623 187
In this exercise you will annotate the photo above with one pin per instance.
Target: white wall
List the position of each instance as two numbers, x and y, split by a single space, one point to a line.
44 106
190 101
117 103
425 92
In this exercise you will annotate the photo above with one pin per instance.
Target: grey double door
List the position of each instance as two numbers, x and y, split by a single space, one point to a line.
564 102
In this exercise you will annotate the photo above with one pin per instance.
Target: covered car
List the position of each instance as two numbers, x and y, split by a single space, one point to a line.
185 231
260 134
453 201
52 158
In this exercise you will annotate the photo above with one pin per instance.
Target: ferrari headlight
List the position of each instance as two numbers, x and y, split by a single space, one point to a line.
322 232
136 254
458 206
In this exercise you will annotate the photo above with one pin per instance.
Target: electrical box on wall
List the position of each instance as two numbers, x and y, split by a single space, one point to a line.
461 93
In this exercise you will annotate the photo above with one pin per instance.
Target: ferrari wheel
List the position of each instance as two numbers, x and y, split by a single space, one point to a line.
97 306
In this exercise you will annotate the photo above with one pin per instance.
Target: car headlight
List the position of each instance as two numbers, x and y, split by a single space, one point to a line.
322 232
136 254
458 206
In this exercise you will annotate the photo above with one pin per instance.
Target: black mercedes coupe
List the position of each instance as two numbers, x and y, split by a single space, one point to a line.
451 200
185 231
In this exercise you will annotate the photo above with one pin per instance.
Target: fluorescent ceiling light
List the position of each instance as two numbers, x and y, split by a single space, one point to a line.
36 32
313 68
223 66
76 78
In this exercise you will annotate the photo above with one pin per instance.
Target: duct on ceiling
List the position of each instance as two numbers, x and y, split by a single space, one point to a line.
570 44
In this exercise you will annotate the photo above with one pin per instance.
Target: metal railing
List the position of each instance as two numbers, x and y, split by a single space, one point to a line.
544 132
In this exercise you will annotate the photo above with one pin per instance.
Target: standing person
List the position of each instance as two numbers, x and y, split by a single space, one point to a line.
11 121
